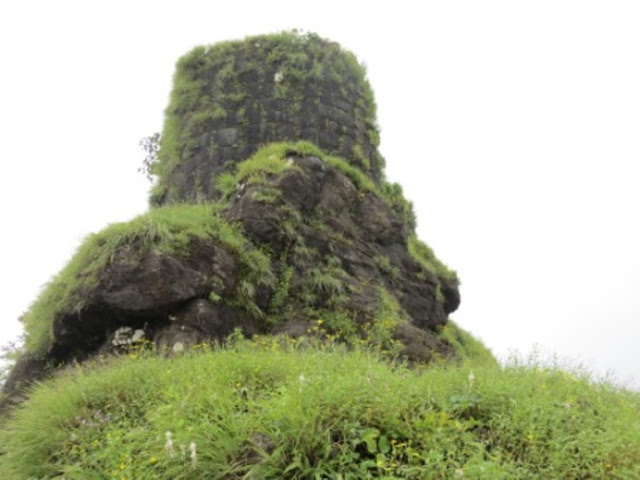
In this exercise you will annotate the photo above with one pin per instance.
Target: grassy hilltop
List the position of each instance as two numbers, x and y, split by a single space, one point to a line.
295 409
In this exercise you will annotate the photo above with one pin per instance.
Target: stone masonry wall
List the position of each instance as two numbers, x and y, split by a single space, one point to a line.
231 98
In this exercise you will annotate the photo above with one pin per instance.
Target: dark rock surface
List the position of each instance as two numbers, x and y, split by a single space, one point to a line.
319 211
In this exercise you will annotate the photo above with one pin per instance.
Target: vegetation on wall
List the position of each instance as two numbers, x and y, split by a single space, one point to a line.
232 97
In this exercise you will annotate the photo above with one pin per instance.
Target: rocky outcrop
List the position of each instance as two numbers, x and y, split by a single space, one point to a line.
333 247
291 240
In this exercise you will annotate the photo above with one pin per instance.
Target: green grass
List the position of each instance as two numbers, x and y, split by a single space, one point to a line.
282 409
423 254
269 160
468 349
167 229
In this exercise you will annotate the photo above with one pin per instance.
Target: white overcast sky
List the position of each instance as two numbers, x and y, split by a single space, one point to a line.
513 126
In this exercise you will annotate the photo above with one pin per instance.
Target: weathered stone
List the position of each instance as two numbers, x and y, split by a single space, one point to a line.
154 282
227 136
127 336
355 229
282 96
176 338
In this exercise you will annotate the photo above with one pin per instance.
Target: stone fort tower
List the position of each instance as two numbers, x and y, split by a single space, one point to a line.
233 97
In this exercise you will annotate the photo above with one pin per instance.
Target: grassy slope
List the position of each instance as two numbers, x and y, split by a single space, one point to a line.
274 408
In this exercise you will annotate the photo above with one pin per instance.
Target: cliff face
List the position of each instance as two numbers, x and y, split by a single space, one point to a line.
296 238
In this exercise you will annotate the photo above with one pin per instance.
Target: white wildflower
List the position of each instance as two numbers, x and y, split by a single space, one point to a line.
194 458
168 445
471 379
278 77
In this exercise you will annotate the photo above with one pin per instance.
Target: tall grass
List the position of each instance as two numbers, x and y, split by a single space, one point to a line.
271 410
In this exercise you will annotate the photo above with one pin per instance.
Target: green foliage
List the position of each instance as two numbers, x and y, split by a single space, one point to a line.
279 408
380 332
267 195
468 349
226 183
272 159
150 145
269 160
391 194
337 325
376 333
359 179
327 280
214 297
303 254
422 254
359 155
385 266
394 196
281 294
